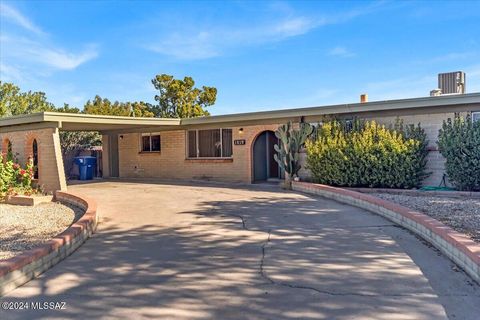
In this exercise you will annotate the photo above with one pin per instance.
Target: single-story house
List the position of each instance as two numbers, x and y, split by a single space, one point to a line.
235 147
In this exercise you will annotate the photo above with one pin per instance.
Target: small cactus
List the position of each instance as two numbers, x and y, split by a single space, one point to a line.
290 141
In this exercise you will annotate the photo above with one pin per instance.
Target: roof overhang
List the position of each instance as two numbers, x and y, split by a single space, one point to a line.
353 108
85 122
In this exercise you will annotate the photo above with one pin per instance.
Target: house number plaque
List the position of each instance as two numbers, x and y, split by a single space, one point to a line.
240 142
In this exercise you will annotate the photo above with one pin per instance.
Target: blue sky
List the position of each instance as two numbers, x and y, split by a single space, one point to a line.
260 55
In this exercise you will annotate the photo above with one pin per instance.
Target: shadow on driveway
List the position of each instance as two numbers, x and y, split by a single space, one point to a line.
219 253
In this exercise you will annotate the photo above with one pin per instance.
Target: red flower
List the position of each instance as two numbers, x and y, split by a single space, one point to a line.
22 172
16 166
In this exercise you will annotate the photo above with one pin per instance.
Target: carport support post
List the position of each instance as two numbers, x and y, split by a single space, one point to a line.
51 173
51 170
105 156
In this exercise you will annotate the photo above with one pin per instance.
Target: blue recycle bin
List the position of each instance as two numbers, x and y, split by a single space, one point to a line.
86 165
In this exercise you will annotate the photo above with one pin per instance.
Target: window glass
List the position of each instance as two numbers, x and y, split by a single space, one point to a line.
151 142
155 143
192 144
212 143
475 116
209 143
35 158
226 142
145 143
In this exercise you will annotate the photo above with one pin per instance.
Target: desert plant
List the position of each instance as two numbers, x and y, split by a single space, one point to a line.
290 141
367 154
459 143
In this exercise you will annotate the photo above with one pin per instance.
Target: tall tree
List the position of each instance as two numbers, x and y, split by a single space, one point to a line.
180 99
14 102
101 106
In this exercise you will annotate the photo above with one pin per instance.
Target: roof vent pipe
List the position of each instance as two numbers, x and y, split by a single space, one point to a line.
363 98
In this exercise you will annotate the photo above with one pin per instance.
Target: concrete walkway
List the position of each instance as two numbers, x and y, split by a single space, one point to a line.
212 251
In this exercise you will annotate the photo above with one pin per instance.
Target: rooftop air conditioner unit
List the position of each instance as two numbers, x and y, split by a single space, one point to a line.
452 82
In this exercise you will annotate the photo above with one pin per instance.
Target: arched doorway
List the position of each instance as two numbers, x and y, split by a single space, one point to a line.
7 149
35 158
264 165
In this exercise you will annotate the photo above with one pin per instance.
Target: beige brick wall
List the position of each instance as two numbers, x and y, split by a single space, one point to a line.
171 162
51 175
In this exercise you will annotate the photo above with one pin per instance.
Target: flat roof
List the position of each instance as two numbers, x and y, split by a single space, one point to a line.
87 122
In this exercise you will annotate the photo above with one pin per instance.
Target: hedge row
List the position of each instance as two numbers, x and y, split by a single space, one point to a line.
459 143
368 155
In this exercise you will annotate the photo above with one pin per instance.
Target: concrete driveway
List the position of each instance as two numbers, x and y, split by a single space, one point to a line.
213 251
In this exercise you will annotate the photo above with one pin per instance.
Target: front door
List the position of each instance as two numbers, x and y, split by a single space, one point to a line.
264 165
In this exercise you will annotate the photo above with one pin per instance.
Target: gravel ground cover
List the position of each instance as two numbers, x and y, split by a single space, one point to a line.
461 214
23 227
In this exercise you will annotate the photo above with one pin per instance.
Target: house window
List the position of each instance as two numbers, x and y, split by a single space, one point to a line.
35 158
150 142
212 143
7 149
476 116
349 125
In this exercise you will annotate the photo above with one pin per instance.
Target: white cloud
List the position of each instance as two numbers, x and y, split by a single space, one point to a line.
405 87
29 52
10 73
473 78
294 27
340 52
198 46
417 85
59 58
194 45
453 56
11 14
194 42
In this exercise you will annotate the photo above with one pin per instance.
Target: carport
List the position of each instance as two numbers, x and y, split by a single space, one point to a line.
20 133
228 153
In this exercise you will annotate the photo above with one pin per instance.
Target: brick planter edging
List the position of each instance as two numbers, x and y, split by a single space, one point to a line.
449 194
456 246
20 269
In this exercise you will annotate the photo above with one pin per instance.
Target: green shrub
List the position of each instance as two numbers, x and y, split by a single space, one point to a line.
459 143
367 155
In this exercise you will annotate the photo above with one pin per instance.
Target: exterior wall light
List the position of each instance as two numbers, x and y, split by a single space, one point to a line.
240 131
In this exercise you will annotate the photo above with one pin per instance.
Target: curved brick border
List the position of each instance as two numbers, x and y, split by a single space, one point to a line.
448 194
458 247
22 268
